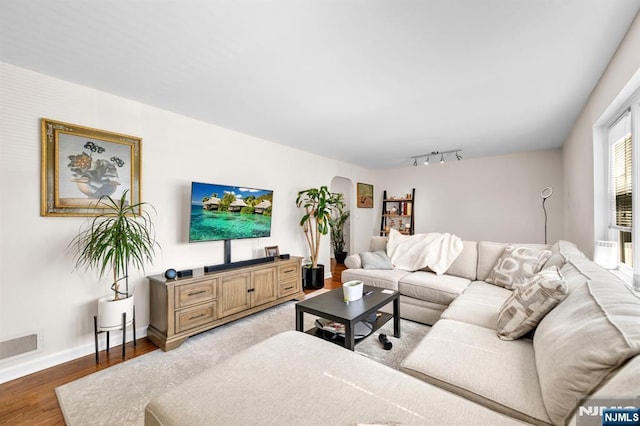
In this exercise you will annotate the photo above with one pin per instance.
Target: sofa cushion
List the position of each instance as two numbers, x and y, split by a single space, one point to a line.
530 302
623 384
417 310
471 361
466 264
488 254
375 260
378 243
573 276
481 287
433 288
556 258
385 278
516 266
560 251
584 339
569 250
477 309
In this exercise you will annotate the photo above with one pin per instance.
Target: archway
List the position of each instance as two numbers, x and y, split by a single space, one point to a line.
345 186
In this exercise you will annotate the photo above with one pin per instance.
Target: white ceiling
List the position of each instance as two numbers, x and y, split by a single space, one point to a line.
371 82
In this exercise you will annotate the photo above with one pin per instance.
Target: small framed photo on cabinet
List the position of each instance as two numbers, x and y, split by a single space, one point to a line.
272 251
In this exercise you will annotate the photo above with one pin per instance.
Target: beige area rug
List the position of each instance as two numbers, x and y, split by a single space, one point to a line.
118 395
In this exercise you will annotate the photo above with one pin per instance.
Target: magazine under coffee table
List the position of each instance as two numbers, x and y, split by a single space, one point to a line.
332 306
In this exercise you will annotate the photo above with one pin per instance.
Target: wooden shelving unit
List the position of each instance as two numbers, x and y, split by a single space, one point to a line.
398 213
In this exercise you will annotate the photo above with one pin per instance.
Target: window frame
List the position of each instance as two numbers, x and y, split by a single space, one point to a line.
633 106
616 230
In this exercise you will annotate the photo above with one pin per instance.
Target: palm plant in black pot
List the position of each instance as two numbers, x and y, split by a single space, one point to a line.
319 204
337 223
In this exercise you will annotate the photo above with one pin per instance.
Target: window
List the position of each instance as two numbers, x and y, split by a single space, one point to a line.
621 186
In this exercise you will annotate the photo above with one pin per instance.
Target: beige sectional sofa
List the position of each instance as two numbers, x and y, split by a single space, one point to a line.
587 345
460 373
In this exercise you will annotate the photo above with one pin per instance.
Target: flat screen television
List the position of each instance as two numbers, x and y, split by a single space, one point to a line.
223 212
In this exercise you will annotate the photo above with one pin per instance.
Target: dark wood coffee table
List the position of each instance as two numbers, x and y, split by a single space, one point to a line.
332 306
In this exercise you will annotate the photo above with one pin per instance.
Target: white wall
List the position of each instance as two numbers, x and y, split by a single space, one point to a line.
39 290
491 198
618 81
495 198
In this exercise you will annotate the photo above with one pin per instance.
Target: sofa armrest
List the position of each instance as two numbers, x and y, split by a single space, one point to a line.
353 262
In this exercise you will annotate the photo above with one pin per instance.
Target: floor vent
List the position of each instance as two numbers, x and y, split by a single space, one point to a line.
19 345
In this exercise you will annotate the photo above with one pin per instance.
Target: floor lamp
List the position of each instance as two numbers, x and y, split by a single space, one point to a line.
545 193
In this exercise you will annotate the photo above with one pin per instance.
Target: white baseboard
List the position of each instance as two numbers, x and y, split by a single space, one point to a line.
34 365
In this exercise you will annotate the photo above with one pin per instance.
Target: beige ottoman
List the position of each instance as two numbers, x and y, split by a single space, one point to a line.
294 378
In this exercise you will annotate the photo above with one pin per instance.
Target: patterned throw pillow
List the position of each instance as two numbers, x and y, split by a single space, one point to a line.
530 302
516 266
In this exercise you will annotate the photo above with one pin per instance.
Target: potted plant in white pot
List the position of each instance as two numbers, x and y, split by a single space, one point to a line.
122 235
337 222
319 204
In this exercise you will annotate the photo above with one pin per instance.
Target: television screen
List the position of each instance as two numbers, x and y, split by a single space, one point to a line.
222 212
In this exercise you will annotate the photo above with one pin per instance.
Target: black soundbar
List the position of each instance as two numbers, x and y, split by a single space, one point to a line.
238 264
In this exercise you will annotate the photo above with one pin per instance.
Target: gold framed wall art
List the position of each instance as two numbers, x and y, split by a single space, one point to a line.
365 195
81 164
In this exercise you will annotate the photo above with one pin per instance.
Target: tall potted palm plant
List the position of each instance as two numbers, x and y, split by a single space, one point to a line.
122 236
319 204
337 222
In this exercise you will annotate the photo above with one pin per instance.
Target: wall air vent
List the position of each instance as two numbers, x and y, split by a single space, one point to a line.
19 345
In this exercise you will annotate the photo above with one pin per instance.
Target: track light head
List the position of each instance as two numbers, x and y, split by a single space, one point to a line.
441 158
426 161
458 156
415 162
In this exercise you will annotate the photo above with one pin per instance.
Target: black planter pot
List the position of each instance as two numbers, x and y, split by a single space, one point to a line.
340 257
313 278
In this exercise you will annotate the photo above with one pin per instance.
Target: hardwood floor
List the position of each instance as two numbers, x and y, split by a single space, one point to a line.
31 400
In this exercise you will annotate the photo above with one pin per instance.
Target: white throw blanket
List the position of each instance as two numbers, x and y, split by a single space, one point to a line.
433 250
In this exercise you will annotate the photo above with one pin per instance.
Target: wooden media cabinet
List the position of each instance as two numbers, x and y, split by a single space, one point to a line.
180 308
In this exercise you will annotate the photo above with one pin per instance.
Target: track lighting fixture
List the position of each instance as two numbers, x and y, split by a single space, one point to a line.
434 153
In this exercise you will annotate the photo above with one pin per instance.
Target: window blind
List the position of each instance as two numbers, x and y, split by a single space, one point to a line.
620 173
